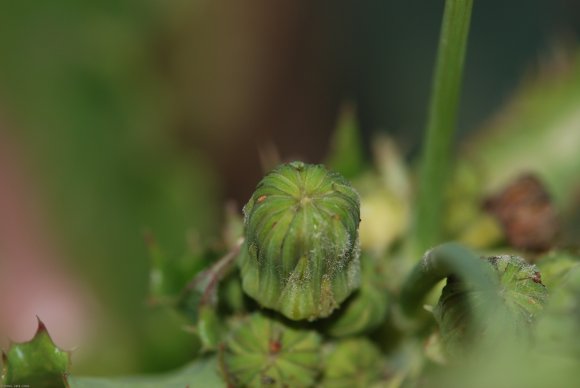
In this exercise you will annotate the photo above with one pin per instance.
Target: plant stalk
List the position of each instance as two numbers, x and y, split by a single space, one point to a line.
441 122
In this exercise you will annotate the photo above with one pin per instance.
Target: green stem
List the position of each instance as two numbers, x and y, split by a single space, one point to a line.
446 260
442 120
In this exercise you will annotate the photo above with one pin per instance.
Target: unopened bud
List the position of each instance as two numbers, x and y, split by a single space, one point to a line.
301 255
263 352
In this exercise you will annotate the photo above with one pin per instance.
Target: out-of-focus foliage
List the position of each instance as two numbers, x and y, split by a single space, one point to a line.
81 89
201 373
353 363
87 94
522 299
538 131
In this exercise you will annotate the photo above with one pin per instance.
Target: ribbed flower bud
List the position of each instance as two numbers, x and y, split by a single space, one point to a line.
263 352
301 255
521 297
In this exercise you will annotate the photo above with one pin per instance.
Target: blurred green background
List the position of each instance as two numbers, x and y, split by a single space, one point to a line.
146 115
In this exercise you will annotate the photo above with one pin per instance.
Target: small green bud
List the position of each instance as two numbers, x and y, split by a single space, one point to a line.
367 308
521 294
263 352
353 363
301 254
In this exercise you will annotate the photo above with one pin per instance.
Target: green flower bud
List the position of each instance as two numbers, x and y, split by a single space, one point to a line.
264 352
301 255
353 363
521 297
367 308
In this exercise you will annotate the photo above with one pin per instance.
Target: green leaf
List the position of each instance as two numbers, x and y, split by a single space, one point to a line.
202 373
209 328
36 363
169 275
346 148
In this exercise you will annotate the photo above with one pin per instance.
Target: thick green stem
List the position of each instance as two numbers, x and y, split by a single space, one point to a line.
441 121
446 260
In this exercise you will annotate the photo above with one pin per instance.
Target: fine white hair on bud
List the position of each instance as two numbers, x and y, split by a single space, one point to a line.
301 252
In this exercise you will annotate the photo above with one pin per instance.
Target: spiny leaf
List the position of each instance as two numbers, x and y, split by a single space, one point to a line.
36 363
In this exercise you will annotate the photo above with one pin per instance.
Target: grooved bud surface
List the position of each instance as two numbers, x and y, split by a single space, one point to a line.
263 352
301 254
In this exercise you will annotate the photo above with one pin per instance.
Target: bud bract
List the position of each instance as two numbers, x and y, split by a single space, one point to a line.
263 352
